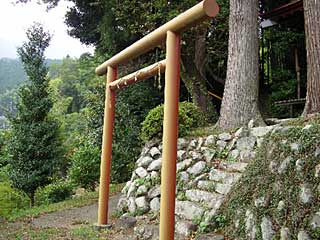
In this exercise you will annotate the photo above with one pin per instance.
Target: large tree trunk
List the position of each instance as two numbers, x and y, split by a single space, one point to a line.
193 72
312 29
240 97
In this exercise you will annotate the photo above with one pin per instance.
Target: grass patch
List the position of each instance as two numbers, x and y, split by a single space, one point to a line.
202 131
206 131
24 231
88 232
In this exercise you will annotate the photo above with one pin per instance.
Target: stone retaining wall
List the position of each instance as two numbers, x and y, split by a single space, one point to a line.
207 168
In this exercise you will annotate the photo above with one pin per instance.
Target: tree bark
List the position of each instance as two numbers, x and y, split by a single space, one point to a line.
193 72
312 29
31 196
240 97
195 84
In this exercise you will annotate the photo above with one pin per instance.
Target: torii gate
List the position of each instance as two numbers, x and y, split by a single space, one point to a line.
171 32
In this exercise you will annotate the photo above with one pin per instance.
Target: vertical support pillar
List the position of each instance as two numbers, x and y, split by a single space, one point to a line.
170 135
262 82
106 154
296 58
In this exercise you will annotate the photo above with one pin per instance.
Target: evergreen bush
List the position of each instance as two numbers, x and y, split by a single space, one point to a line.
85 166
190 117
55 192
11 200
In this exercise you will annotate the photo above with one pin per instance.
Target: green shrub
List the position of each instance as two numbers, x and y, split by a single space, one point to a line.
85 166
54 192
11 200
190 117
4 174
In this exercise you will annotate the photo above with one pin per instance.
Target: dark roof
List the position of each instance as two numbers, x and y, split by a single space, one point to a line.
284 10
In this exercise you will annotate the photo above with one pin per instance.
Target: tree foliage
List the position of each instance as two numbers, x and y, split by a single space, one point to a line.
132 107
113 25
85 166
133 104
81 131
34 144
70 82
4 155
280 77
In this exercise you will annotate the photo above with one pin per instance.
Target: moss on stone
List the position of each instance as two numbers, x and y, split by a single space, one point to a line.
259 180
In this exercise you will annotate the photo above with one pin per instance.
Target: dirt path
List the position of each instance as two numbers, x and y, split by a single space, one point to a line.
67 224
73 217
66 221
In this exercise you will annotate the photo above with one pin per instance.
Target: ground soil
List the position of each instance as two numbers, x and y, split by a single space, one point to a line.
73 217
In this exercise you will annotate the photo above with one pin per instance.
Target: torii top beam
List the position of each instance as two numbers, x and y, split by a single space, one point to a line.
200 12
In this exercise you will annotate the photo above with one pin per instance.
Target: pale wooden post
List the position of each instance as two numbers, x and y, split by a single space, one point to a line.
170 135
106 154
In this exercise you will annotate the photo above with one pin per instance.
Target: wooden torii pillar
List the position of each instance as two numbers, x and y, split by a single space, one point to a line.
171 32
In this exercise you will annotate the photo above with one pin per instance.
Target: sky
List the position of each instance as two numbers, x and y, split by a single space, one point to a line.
16 19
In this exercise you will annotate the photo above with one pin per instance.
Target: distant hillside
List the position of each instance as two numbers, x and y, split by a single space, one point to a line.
12 73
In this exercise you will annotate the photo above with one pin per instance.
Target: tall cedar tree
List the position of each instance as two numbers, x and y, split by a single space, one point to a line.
34 145
240 97
312 29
